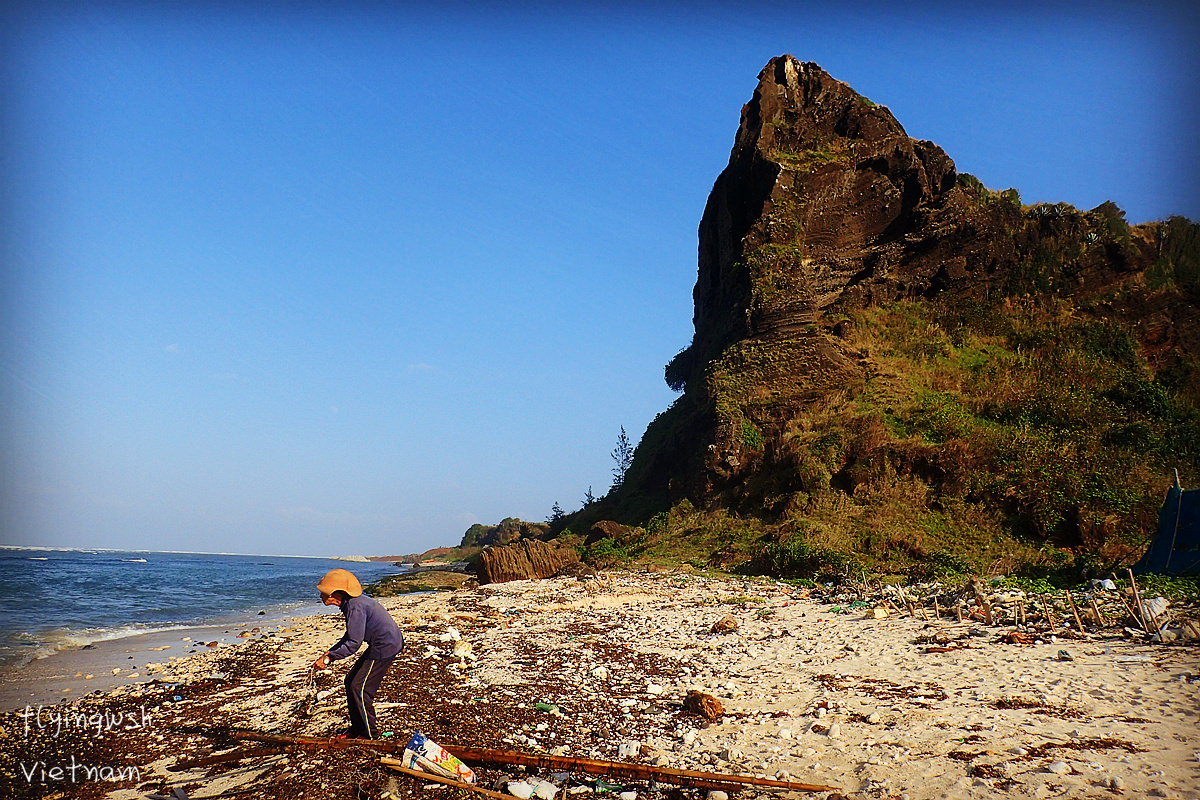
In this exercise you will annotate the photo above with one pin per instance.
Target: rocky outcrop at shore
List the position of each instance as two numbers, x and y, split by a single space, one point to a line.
524 560
828 205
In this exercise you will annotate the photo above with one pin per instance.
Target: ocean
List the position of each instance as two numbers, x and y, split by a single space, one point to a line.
57 599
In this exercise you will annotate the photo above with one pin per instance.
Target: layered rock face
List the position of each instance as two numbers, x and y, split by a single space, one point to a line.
527 559
827 203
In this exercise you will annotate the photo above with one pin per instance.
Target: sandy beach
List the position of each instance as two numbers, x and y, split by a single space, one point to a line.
812 691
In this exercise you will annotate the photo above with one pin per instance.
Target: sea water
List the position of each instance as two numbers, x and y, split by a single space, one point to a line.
55 599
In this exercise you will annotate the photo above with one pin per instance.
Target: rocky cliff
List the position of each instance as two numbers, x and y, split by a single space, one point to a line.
827 206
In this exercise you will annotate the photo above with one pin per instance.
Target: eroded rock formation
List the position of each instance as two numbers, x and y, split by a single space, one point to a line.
527 559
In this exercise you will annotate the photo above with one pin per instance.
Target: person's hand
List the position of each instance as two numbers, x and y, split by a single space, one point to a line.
322 662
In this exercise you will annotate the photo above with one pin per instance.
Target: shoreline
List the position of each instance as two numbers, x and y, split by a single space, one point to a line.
881 707
87 670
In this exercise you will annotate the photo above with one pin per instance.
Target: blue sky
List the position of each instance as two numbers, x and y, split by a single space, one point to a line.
348 279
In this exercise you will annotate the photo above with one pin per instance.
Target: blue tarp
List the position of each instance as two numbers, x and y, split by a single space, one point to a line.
1176 546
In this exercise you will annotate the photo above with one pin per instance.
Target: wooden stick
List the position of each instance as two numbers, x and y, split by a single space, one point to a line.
1141 608
1075 611
1096 610
937 611
958 612
1132 614
1046 609
398 765
678 777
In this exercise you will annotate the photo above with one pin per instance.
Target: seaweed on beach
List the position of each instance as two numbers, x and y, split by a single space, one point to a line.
1082 745
1038 707
882 689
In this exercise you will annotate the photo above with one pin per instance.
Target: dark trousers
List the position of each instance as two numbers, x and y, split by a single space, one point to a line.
362 681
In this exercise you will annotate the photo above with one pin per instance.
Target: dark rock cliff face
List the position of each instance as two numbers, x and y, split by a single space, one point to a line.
826 204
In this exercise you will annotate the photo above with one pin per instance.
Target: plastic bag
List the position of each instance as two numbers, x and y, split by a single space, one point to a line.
424 754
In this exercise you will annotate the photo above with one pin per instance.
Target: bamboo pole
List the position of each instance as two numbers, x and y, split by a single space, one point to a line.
678 777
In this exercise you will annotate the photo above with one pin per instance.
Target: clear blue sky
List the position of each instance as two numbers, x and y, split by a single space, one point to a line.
349 279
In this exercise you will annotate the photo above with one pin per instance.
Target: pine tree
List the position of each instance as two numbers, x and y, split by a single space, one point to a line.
623 455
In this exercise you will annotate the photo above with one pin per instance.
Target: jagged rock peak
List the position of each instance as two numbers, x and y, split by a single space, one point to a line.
803 105
825 198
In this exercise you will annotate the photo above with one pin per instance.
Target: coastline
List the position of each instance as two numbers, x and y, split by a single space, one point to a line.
76 672
873 706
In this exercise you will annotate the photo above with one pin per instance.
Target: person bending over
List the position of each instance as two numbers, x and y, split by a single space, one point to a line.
366 621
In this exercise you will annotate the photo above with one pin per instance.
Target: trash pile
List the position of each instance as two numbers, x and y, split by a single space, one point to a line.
1102 608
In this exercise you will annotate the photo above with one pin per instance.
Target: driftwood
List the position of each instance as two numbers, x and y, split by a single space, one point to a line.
677 777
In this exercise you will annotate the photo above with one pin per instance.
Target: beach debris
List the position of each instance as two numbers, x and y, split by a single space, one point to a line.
522 789
726 624
629 749
703 704
428 756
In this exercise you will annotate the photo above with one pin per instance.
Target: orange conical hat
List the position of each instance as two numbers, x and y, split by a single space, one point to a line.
340 579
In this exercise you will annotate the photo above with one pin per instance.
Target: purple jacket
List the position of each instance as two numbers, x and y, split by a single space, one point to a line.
368 621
